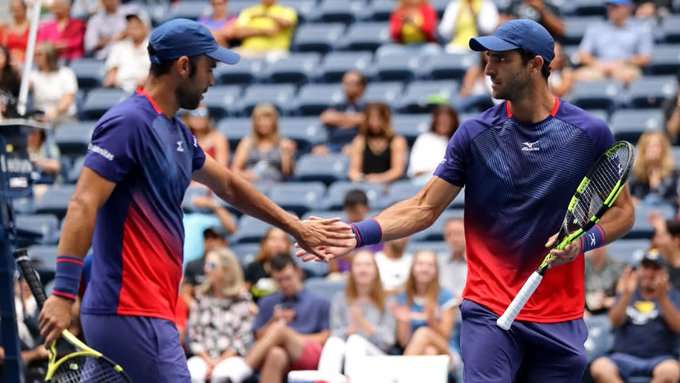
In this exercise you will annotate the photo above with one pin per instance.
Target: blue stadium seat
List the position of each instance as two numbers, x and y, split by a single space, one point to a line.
401 190
332 11
324 214
628 251
45 226
298 197
411 125
55 200
219 98
365 36
671 28
642 228
99 100
315 98
386 92
305 131
440 6
439 247
412 49
313 269
320 37
325 288
416 98
629 124
380 10
44 257
188 10
665 60
335 64
447 66
278 94
436 231
327 169
596 94
297 68
600 339
72 139
246 71
305 9
396 67
584 8
651 92
250 230
459 201
245 252
73 173
235 129
194 191
337 191
575 28
89 72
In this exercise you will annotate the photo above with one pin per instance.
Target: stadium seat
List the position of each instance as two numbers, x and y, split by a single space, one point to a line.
245 72
584 8
44 226
459 201
642 228
278 94
439 247
298 197
401 190
297 68
671 28
55 200
219 98
651 92
335 64
380 10
448 66
44 257
324 214
188 10
600 339
365 36
73 173
317 37
72 139
235 129
194 191
245 252
99 100
315 98
628 251
413 50
665 60
337 191
629 124
250 230
436 231
602 94
332 11
575 28
305 131
89 72
386 92
326 169
411 125
324 287
396 67
416 98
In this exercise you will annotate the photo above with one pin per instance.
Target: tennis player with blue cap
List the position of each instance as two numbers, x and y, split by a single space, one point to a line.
127 205
519 161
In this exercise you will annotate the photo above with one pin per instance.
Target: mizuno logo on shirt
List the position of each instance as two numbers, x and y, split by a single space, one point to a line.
180 146
101 151
530 146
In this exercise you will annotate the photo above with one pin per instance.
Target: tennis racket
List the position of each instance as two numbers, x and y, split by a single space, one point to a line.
596 193
71 360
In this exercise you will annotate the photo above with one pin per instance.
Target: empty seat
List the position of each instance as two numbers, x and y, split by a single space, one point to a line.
436 231
575 28
651 92
386 92
89 72
600 339
411 125
245 72
278 94
326 169
188 10
298 197
192 192
296 68
219 98
671 28
73 138
642 228
602 94
44 257
324 287
396 67
439 247
629 124
245 252
235 129
337 191
74 172
43 226
418 94
338 11
584 8
317 37
628 251
305 131
365 36
401 190
55 200
380 10
99 100
335 64
315 98
324 214
250 230
665 59
448 65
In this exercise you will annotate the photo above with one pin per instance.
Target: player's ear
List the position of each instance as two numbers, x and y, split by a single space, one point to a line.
183 66
537 63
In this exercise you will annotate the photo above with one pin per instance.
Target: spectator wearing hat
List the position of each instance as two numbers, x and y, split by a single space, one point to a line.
544 12
128 63
646 322
667 240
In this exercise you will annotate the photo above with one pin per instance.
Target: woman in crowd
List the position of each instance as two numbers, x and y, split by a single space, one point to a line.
413 22
264 155
257 273
377 153
211 140
430 147
465 19
54 87
14 35
654 179
361 325
221 318
219 21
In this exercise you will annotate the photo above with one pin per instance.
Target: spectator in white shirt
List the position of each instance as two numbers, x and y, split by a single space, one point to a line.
54 87
394 265
430 147
128 63
105 28
453 266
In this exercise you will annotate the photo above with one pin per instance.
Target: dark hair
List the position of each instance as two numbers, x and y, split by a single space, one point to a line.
673 227
526 56
280 261
355 197
362 79
159 69
445 109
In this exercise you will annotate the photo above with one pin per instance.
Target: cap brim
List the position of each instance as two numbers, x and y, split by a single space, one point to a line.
224 55
491 43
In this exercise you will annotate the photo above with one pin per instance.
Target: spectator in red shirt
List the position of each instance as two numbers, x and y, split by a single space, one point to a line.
413 22
14 35
66 33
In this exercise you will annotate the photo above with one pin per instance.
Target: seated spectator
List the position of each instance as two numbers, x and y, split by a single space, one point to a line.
355 205
265 30
128 62
602 275
360 323
667 241
475 90
394 264
214 238
430 147
208 212
671 109
453 267
104 28
561 78
211 140
377 155
258 272
413 22
426 313
264 155
291 327
646 321
54 87
220 22
64 32
342 120
10 81
221 318
544 12
617 49
652 9
654 179
44 156
14 35
465 19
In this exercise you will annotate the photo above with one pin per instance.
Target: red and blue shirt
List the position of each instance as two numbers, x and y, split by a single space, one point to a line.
138 238
518 181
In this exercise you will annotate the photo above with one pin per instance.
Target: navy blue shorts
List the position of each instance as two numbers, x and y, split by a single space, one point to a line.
528 352
148 349
630 365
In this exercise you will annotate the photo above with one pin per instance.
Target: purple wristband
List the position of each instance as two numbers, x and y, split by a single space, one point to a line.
367 232
67 277
593 238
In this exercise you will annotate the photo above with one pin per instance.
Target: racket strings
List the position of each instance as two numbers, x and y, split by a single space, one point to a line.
87 370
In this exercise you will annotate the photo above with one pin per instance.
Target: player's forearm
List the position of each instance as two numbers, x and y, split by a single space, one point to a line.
618 220
76 235
407 217
670 313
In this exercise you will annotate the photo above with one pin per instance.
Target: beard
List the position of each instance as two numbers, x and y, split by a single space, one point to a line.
188 97
511 88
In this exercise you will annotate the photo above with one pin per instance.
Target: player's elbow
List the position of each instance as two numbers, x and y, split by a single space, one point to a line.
81 207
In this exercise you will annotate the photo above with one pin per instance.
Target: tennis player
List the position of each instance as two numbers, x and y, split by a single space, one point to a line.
520 163
129 194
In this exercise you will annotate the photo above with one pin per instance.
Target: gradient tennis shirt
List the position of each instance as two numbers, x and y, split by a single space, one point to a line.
138 238
518 180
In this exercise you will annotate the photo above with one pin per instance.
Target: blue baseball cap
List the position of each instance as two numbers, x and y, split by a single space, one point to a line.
619 2
184 37
518 34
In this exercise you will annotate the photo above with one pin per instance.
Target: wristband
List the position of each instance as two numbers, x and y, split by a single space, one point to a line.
67 277
593 238
367 232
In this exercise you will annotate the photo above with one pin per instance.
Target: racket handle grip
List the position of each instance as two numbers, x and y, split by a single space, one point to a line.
30 275
522 297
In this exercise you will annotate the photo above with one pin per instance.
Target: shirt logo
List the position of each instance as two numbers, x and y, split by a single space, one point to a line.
529 146
180 146
101 151
195 142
